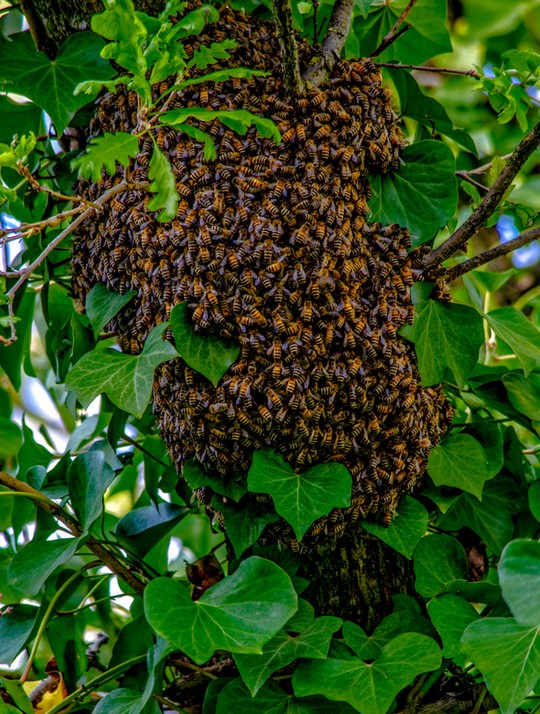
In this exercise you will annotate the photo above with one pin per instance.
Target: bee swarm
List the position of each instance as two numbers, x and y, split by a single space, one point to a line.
271 247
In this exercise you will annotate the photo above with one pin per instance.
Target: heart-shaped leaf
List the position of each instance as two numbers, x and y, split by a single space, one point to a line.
421 195
451 615
50 83
519 577
397 623
438 560
508 655
239 614
459 461
300 498
244 523
312 643
369 688
102 305
206 354
408 525
126 379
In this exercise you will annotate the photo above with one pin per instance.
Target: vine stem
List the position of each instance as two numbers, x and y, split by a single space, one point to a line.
395 32
48 613
338 29
104 555
489 203
489 255
422 68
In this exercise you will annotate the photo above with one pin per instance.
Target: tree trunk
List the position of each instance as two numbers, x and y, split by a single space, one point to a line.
353 577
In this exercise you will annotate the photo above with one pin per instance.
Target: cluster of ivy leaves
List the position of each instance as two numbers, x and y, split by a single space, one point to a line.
471 532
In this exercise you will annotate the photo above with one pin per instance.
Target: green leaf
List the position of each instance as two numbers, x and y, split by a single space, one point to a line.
32 565
421 195
141 528
524 393
397 623
197 477
209 148
492 518
119 701
210 54
447 338
19 119
426 110
103 304
489 435
460 461
10 438
312 643
408 525
240 614
519 334
13 357
508 655
244 522
126 379
209 355
103 152
163 184
50 83
271 699
534 499
438 560
300 498
15 690
16 625
519 577
451 615
88 478
370 688
238 120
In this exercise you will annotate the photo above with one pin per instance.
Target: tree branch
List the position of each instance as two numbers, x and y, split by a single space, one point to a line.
338 28
489 255
422 68
394 32
104 555
294 84
490 202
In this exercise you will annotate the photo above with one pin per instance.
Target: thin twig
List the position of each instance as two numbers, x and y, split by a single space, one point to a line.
485 167
422 68
104 555
338 28
34 183
489 203
489 255
283 19
394 31
466 177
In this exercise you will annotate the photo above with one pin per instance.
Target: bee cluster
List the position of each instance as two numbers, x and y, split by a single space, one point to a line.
271 247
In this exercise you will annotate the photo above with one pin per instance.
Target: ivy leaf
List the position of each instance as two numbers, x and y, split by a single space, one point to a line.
19 118
240 614
492 518
421 195
300 498
143 527
426 110
197 477
244 523
524 393
312 643
88 478
447 338
126 379
370 688
438 560
489 435
32 565
451 615
238 120
271 699
397 623
408 525
103 152
50 83
519 577
163 184
511 326
209 355
508 655
103 304
460 461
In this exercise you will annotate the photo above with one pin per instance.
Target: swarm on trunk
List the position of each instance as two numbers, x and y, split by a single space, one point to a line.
271 247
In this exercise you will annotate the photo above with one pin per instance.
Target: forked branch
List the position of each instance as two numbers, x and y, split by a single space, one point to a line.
395 31
491 200
338 28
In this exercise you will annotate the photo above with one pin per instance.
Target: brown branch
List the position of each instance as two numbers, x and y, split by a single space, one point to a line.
37 30
338 28
422 68
34 183
104 555
489 203
294 84
394 33
465 175
489 255
485 167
